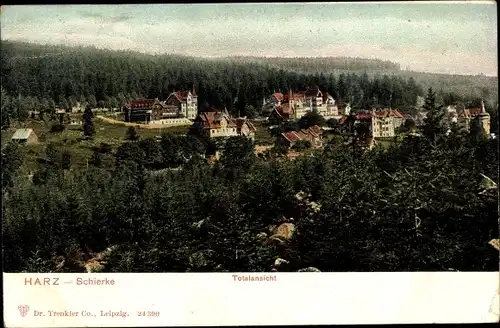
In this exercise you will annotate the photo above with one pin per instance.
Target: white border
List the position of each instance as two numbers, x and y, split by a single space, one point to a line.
189 299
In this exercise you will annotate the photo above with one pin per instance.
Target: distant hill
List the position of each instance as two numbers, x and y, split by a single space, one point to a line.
322 64
64 73
465 85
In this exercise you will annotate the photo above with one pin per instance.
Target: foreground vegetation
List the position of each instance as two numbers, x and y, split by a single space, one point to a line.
420 205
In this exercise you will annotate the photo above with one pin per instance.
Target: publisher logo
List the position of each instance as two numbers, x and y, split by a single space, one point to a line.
23 310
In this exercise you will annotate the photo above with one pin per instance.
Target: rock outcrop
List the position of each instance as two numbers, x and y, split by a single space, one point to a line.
283 233
309 269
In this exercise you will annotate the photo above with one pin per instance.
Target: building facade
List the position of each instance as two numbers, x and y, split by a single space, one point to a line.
383 123
179 108
184 103
467 117
294 105
25 137
216 124
312 134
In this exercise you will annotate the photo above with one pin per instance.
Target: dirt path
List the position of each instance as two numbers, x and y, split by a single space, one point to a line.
137 125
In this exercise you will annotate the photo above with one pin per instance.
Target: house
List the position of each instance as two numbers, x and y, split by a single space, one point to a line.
77 108
141 111
25 136
215 124
294 105
466 118
312 134
344 109
183 103
245 128
383 123
179 108
282 113
269 104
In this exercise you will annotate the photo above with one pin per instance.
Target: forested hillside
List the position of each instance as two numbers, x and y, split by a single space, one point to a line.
43 77
465 85
322 64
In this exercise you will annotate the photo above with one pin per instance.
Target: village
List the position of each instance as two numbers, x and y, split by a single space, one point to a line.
180 113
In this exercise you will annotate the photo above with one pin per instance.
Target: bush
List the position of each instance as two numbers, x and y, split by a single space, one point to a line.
302 144
56 128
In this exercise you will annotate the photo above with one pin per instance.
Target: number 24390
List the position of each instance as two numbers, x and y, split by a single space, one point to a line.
148 313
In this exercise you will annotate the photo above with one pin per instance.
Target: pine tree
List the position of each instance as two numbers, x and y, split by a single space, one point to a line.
88 125
131 134
435 125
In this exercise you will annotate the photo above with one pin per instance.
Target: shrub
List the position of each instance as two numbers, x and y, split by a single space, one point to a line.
56 128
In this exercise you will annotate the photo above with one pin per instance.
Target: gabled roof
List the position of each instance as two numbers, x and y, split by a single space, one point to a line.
315 129
182 95
22 134
278 96
211 120
291 136
311 134
241 121
470 112
363 116
389 113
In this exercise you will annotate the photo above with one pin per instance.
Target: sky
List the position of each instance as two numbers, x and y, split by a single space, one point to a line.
454 38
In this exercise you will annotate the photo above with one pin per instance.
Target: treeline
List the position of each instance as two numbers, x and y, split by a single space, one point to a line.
322 64
49 76
420 206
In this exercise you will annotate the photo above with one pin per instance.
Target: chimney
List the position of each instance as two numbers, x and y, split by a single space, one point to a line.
483 110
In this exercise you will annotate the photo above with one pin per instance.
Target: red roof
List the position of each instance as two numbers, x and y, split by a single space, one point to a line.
278 96
470 112
363 116
388 113
299 95
291 136
141 103
311 134
381 113
182 95
315 129
211 120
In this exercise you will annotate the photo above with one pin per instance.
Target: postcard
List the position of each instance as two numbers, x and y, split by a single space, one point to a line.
250 164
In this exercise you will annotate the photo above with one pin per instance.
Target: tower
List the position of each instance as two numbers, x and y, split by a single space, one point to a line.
484 119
